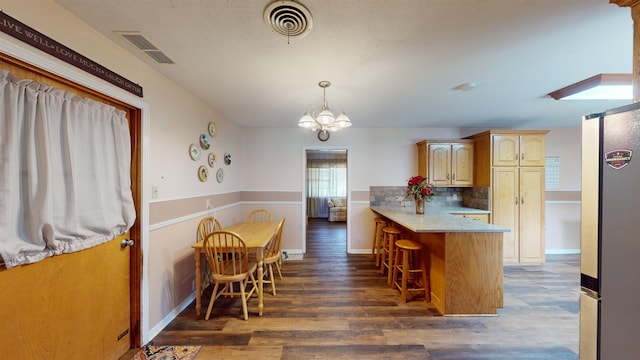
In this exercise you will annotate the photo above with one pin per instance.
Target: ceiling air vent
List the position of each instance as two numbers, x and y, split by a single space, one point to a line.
288 18
136 39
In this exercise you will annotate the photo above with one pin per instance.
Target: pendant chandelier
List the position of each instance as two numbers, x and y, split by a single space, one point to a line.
324 120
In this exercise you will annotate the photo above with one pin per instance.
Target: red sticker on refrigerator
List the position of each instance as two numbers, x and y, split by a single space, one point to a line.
617 159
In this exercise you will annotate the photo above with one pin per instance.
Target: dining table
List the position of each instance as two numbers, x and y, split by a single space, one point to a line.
256 237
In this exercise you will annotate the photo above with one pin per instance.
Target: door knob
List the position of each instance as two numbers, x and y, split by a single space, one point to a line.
126 242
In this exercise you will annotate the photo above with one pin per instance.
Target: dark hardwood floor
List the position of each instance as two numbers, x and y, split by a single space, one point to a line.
337 306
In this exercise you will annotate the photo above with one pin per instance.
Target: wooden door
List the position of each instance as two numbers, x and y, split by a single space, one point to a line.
531 220
440 164
71 306
506 149
505 208
462 164
532 150
83 305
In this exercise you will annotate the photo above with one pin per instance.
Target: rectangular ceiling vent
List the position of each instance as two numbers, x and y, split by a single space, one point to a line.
136 39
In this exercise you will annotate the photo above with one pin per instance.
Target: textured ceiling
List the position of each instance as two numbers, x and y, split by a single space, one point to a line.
392 63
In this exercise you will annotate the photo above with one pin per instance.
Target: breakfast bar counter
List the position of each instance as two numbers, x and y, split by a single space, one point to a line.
464 257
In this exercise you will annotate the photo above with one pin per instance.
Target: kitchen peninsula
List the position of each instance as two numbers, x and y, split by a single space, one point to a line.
464 256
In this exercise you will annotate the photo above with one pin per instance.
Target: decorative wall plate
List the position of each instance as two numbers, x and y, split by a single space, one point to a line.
213 129
220 175
205 142
227 159
194 152
212 159
203 173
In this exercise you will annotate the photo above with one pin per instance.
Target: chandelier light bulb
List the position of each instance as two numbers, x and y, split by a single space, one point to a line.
325 117
306 121
343 120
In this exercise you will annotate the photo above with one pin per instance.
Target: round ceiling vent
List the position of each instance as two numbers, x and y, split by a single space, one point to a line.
288 18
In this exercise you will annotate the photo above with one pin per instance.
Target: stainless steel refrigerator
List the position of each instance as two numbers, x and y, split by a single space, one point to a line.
610 235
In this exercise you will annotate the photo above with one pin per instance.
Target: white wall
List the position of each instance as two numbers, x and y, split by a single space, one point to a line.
272 158
562 208
565 143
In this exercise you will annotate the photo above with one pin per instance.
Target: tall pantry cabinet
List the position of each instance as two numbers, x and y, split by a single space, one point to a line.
511 163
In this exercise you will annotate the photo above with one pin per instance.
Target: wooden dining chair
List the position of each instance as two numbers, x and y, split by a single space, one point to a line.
260 215
207 225
229 263
273 256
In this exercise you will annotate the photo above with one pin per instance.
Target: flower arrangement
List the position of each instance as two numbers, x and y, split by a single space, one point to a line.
419 187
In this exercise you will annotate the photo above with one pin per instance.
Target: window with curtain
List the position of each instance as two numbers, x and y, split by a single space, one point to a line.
65 180
326 178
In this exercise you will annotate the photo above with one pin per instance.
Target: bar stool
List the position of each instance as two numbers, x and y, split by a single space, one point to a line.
390 235
411 263
376 247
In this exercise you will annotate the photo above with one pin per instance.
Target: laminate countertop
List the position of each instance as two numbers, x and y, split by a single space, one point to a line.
437 219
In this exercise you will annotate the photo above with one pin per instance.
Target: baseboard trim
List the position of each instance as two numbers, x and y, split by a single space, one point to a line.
561 251
168 319
294 257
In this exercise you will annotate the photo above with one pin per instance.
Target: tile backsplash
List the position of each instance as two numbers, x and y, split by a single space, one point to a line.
394 196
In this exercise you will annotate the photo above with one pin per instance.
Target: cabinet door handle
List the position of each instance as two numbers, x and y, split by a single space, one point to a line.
517 156
448 177
454 177
516 200
522 200
522 157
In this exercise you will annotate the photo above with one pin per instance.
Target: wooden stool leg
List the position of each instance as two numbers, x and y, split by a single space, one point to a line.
379 242
375 240
405 275
396 269
383 256
390 242
426 281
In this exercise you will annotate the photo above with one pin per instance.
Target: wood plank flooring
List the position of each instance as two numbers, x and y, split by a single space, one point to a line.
337 306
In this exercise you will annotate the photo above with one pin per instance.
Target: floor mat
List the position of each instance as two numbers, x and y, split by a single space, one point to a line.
150 352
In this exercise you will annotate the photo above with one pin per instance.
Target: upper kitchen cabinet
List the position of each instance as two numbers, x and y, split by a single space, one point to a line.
446 162
518 149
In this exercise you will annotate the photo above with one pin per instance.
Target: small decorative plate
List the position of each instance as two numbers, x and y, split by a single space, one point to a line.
205 142
212 159
194 152
213 129
220 175
227 159
203 173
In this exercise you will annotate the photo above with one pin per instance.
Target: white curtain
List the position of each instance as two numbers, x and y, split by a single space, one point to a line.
65 181
326 178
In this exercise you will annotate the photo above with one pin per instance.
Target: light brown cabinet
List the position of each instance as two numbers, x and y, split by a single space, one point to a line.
518 150
512 164
446 162
478 217
518 204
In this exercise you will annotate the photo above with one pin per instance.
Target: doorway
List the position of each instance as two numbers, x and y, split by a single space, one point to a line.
326 195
